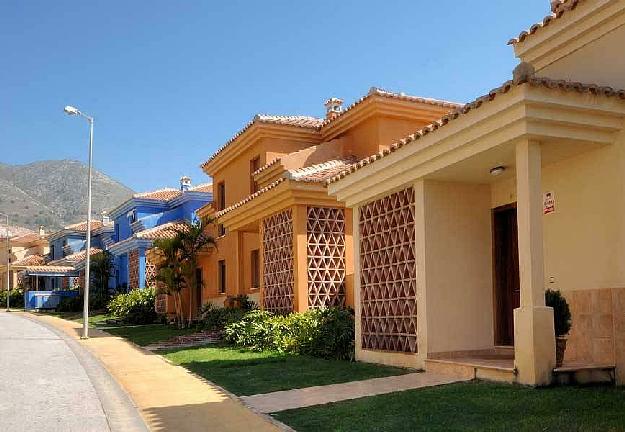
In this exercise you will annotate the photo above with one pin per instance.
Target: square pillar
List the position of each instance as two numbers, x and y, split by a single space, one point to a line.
534 337
300 258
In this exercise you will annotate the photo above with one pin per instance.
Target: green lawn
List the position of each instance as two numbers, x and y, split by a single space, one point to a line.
97 318
147 334
245 372
475 406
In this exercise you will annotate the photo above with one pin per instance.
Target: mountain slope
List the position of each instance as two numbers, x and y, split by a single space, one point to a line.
54 193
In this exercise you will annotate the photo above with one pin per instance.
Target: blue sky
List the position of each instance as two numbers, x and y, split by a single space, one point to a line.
170 81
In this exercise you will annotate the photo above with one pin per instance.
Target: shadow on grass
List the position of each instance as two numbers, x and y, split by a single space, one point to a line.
245 372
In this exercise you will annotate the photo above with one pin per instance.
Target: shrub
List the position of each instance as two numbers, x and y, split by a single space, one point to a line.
561 312
70 304
135 307
326 333
16 298
217 318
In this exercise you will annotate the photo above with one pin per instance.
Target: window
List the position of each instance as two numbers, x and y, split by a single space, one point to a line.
222 276
52 252
255 266
132 216
254 165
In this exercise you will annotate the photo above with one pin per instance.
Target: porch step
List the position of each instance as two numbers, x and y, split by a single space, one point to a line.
485 369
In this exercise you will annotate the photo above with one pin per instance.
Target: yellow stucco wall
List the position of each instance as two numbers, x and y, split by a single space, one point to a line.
458 266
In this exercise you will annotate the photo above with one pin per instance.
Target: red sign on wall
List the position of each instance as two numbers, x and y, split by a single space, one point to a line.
549 203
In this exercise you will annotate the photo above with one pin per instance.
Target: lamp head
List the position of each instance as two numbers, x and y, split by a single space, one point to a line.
70 110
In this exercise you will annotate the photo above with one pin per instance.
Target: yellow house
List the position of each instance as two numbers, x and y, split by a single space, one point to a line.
282 240
462 225
26 247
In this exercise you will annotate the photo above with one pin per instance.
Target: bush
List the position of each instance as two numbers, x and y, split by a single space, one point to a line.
70 304
217 318
135 307
561 312
325 333
16 298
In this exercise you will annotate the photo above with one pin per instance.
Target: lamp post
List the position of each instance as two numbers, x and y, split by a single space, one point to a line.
70 110
8 238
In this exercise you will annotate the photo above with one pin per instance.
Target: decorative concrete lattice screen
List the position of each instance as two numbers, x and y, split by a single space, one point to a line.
326 257
150 273
278 278
388 276
133 269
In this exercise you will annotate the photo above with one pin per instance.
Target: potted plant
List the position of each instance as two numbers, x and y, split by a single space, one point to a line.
561 321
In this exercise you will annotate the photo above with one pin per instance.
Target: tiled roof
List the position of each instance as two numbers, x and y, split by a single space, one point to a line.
375 91
560 9
267 166
251 197
49 269
204 187
164 194
306 122
320 172
167 230
75 257
82 226
505 88
30 260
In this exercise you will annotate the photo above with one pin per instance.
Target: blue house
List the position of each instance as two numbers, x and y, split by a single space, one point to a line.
145 217
64 266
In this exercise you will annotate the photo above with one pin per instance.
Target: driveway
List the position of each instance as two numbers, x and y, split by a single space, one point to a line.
48 382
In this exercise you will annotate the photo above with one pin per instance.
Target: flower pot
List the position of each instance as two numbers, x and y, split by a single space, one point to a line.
560 349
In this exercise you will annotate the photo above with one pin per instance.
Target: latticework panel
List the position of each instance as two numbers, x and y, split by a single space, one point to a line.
326 257
133 269
388 273
278 277
150 273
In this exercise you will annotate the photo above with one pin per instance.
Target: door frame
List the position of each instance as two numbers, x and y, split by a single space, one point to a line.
494 211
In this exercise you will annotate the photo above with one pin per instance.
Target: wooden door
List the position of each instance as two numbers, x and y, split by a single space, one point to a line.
506 272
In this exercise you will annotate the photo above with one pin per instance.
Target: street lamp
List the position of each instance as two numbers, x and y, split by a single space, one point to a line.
8 259
70 110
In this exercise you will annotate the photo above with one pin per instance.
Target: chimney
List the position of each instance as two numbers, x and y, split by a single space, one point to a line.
42 231
334 106
555 4
105 217
185 183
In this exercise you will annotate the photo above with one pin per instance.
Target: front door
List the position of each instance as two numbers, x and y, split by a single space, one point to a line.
506 272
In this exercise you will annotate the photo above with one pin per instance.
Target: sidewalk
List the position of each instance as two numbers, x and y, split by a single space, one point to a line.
299 398
168 397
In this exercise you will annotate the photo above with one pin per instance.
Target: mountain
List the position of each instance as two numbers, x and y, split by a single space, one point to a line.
54 193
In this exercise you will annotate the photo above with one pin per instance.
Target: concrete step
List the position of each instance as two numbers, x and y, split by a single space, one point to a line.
471 369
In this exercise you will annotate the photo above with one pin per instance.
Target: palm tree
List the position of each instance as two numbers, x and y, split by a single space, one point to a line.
178 259
101 271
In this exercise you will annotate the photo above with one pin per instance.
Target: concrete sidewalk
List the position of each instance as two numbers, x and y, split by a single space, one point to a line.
168 397
318 395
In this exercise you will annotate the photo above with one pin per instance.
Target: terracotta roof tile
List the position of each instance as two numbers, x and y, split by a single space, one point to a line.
306 122
375 91
75 257
251 197
30 260
82 226
561 8
267 166
320 172
505 88
204 187
164 194
49 269
167 230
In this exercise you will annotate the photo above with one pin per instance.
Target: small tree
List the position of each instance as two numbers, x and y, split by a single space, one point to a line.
177 261
101 271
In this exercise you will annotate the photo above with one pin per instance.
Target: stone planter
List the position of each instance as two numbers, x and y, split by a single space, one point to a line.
560 349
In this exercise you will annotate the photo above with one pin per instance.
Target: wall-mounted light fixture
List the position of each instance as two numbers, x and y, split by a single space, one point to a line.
498 170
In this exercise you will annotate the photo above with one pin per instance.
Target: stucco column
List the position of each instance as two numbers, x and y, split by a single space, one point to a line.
534 339
142 263
300 258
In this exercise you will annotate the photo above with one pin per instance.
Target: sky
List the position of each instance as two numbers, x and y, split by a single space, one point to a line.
169 82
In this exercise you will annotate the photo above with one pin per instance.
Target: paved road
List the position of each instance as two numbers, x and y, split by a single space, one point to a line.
49 383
